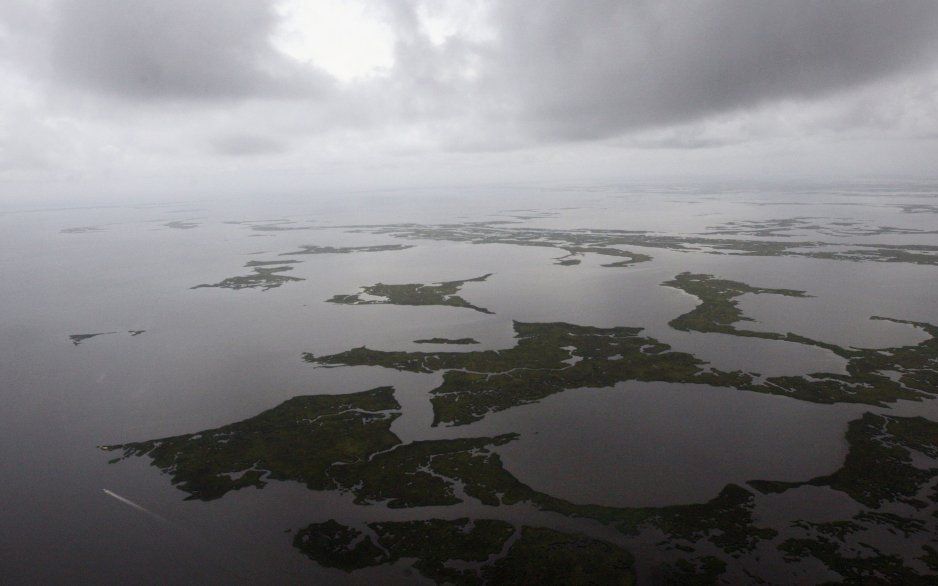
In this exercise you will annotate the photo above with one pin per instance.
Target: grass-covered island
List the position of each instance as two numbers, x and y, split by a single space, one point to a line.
443 293
315 249
77 339
553 357
268 274
344 443
612 241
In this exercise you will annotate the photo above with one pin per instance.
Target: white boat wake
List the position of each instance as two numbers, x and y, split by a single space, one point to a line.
134 505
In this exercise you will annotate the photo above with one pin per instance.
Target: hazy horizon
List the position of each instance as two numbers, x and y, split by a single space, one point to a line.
116 100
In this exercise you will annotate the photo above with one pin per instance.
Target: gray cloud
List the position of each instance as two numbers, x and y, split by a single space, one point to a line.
581 70
190 49
97 91
247 145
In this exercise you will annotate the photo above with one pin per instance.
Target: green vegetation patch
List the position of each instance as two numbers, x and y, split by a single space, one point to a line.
333 545
879 465
82 230
415 474
878 471
576 243
301 439
548 358
702 571
839 530
545 556
264 277
573 252
536 556
853 566
181 225
506 232
443 293
893 523
718 310
269 263
77 339
628 258
552 357
930 558
328 442
344 442
870 372
313 249
782 228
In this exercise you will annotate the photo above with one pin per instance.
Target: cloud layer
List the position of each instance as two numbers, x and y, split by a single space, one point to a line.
175 49
596 69
101 89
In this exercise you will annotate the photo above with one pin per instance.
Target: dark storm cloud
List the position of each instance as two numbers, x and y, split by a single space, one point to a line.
101 89
555 71
583 70
189 49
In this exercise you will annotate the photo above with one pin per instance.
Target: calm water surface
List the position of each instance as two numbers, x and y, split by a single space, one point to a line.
212 356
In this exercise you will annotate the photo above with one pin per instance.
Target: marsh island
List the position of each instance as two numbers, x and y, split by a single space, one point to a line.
443 293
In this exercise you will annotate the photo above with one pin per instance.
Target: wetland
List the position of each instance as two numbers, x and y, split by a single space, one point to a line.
509 357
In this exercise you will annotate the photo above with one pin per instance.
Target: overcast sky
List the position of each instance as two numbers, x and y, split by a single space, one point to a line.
125 97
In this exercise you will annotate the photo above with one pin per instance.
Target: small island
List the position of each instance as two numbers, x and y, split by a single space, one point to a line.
443 293
77 339
313 249
181 225
81 230
267 275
